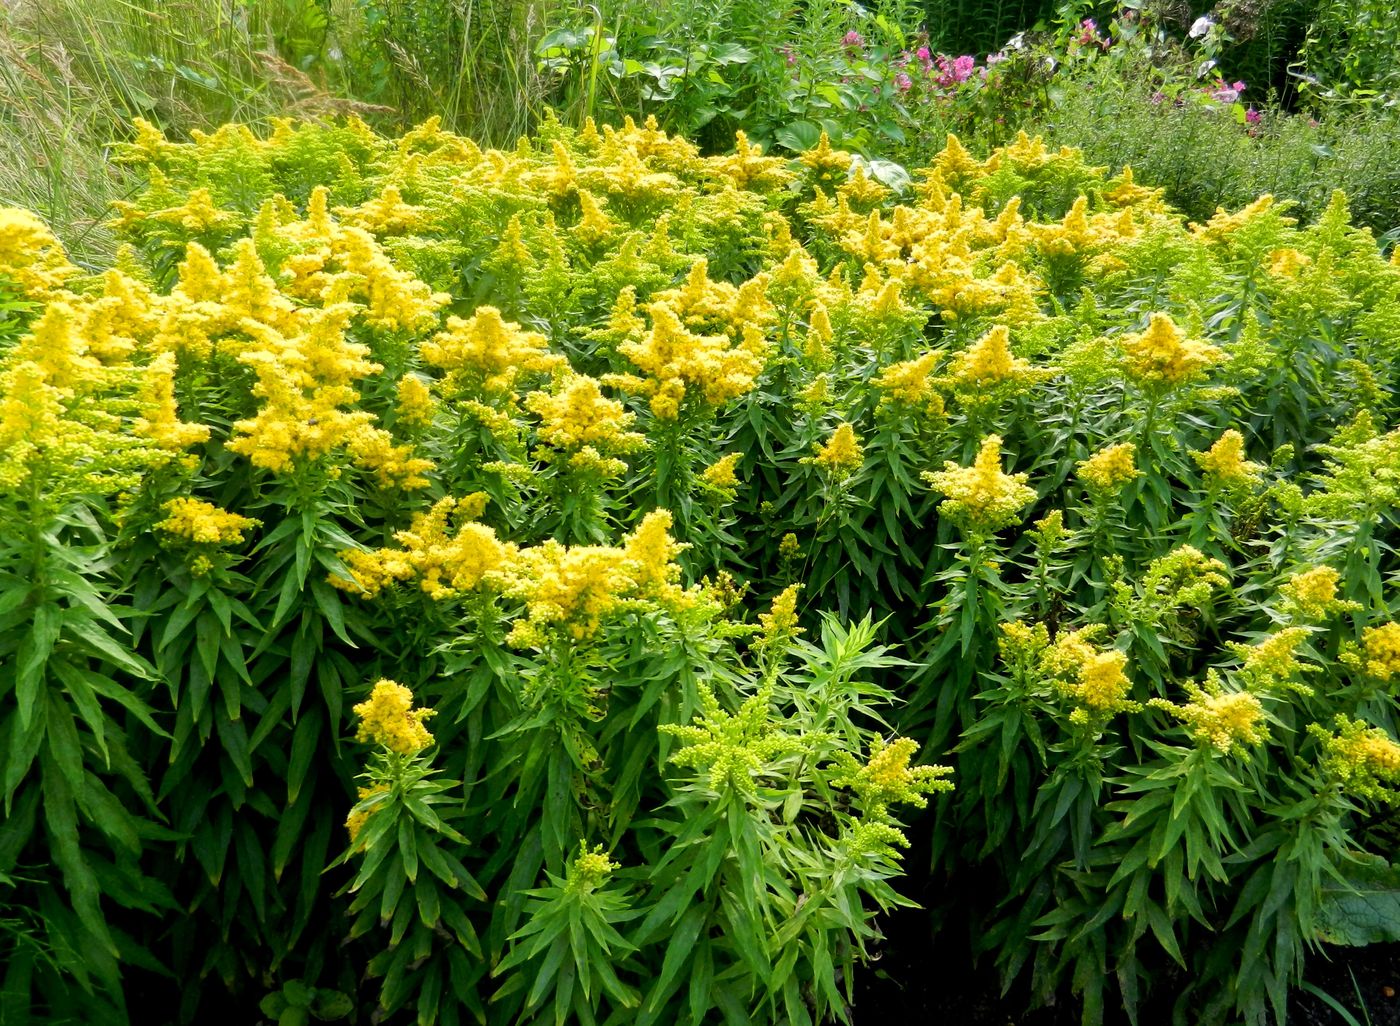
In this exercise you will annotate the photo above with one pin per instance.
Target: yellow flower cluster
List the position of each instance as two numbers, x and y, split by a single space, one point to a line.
589 869
572 589
330 263
1111 468
1313 593
778 626
203 523
981 497
886 778
735 748
577 418
446 564
1225 464
306 380
388 718
1094 679
416 406
31 259
1273 662
1363 760
677 363
1380 649
486 353
385 214
720 475
1162 357
840 455
1228 721
1183 578
913 382
989 361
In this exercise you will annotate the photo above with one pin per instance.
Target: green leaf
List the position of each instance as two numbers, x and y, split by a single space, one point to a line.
1363 910
34 652
798 136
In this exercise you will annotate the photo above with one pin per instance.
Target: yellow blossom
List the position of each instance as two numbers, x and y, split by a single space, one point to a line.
1161 356
161 421
445 563
887 778
988 361
416 406
388 718
30 256
1380 648
577 414
198 214
1092 678
1274 661
720 475
981 497
589 869
678 362
1313 593
841 454
306 381
1225 464
574 588
779 625
1109 469
203 523
488 352
912 382
1228 721
1363 760
1287 262
385 214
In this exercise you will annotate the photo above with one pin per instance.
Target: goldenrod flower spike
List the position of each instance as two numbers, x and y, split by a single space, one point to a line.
982 497
1110 469
1162 357
388 718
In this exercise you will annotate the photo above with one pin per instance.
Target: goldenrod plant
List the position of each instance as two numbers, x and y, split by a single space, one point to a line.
547 584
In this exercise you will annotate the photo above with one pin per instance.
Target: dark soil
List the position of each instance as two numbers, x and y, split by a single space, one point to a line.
920 979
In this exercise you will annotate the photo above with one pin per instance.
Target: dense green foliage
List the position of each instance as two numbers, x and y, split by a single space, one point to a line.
363 431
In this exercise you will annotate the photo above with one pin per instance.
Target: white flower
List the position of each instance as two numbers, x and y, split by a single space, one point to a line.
1200 26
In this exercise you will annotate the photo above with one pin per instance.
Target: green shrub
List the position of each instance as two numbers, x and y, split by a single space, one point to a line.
582 525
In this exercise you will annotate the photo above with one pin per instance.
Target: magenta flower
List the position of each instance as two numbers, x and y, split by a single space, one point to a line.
962 68
1252 116
922 53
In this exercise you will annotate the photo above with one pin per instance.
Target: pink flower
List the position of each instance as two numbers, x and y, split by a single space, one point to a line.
962 67
1238 87
922 53
903 82
853 40
1252 116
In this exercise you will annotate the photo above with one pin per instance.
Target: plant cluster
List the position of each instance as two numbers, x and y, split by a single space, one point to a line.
516 585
